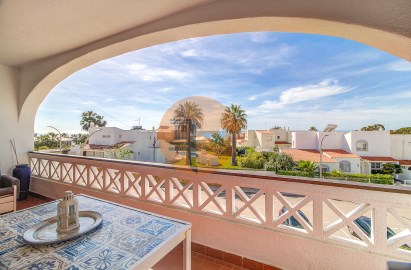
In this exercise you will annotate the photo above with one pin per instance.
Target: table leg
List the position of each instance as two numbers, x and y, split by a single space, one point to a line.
187 251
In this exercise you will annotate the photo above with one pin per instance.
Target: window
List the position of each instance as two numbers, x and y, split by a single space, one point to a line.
375 165
325 168
106 136
362 145
119 136
278 137
345 166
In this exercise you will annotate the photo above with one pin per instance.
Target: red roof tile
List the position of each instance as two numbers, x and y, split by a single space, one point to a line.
405 162
281 142
339 153
309 154
381 159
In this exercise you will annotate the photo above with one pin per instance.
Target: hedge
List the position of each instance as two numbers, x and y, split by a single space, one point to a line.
363 178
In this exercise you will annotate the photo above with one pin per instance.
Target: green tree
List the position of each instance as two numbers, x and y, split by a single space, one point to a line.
188 117
280 161
120 153
233 120
217 143
307 166
90 117
389 168
403 130
79 138
313 129
375 127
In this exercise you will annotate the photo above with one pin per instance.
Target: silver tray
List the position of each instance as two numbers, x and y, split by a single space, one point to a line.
45 232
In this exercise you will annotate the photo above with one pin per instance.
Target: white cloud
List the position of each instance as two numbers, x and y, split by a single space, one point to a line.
304 93
260 37
189 53
400 65
147 73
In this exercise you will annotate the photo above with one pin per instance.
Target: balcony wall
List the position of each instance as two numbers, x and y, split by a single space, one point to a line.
240 213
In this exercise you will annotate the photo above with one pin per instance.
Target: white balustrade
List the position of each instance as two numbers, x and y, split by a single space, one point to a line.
327 211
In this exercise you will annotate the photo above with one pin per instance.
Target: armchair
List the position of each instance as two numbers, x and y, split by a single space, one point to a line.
9 190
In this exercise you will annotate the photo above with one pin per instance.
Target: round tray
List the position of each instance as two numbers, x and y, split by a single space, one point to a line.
45 232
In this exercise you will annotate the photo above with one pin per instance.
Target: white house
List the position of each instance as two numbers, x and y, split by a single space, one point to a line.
144 144
358 151
265 140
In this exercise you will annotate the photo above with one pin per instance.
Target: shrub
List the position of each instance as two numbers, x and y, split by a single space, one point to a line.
363 178
295 173
43 147
383 179
253 160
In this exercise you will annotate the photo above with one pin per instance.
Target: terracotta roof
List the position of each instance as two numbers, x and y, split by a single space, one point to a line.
339 153
265 131
405 162
308 154
281 142
381 159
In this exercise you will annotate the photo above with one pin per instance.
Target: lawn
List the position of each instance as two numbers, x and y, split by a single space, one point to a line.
224 161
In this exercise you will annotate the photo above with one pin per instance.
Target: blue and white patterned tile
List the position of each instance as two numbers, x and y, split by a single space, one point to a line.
148 248
77 249
22 255
156 227
17 217
5 233
135 220
22 226
48 262
104 259
133 241
129 263
106 233
10 244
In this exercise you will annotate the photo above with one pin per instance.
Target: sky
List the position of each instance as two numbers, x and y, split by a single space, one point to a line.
279 79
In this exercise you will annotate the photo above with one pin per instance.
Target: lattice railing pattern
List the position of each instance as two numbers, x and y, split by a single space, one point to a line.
324 212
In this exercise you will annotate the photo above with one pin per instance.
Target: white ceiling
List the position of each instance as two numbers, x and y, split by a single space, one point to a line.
35 29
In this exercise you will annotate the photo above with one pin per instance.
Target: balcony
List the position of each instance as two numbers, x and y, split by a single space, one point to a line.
284 222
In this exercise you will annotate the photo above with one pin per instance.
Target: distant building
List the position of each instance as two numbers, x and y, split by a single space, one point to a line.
144 144
264 140
356 151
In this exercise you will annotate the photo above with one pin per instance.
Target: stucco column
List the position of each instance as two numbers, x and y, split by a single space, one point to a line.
11 127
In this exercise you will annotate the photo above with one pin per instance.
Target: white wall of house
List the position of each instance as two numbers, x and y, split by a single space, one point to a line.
304 140
142 146
355 164
401 146
330 166
378 143
281 135
265 140
334 140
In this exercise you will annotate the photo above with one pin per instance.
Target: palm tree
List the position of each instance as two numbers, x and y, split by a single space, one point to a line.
188 116
313 129
79 138
53 139
307 166
89 117
233 120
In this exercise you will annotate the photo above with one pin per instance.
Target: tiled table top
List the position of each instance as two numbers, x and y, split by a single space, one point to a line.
126 237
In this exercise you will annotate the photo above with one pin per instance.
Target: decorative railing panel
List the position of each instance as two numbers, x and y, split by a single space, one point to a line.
370 217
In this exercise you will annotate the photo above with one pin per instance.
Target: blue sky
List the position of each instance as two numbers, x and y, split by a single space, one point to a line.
280 79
